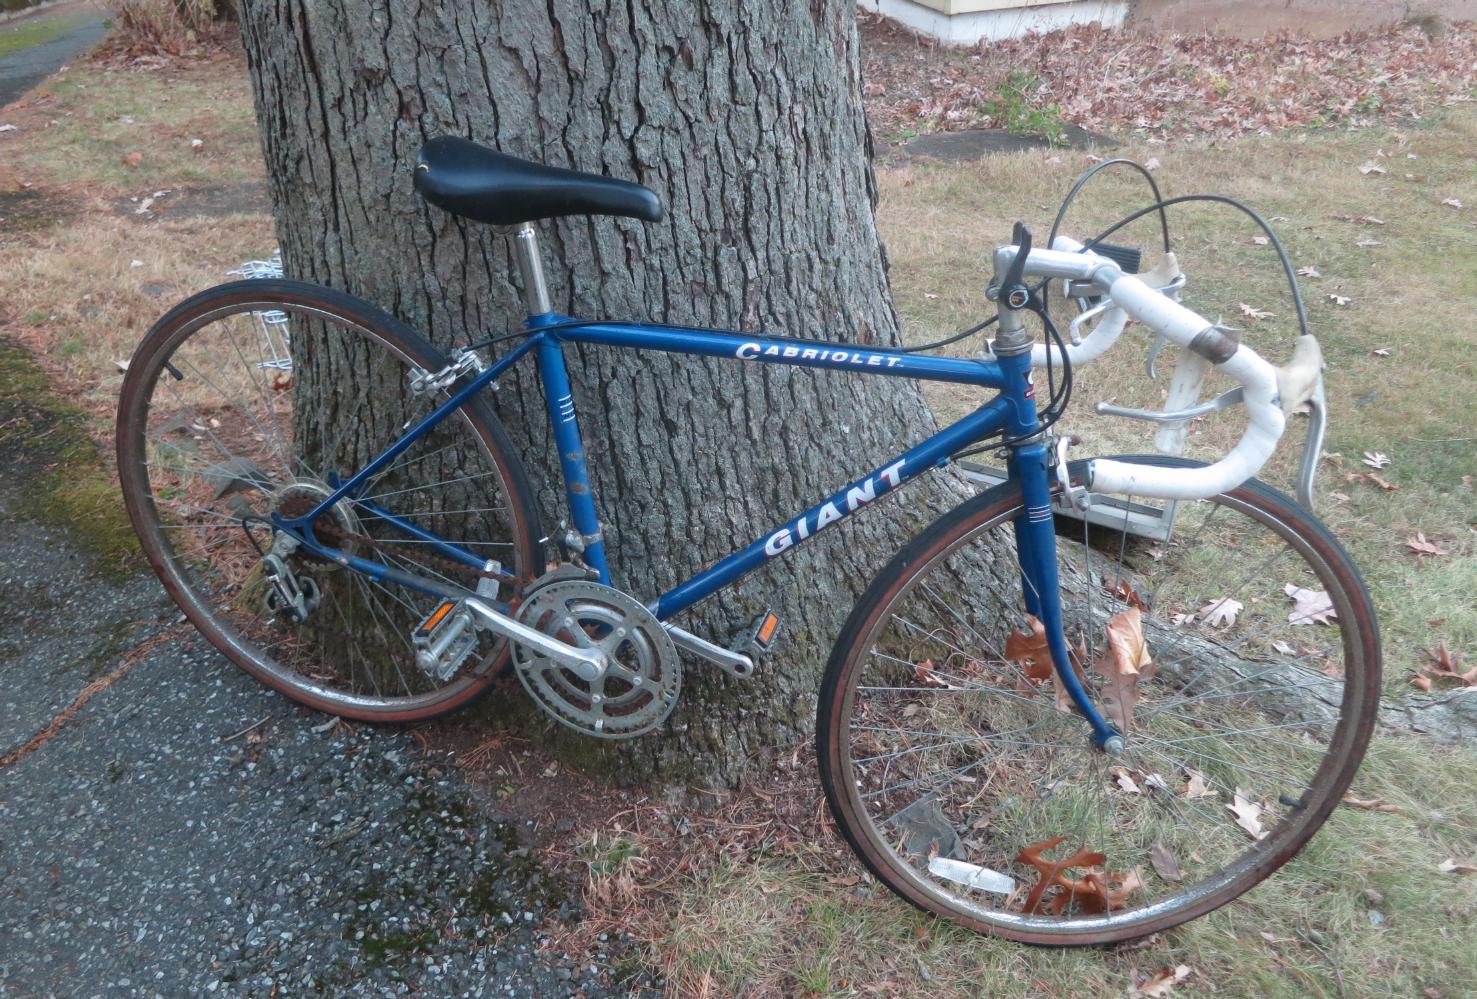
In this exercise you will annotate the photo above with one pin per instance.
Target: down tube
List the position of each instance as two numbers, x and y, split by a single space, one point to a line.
931 453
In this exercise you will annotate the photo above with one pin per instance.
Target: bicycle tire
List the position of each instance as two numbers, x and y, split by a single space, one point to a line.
882 841
171 384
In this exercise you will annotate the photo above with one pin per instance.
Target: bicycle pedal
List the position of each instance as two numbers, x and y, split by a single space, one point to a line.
444 640
761 636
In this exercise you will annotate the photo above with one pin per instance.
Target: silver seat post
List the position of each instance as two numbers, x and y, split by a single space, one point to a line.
531 268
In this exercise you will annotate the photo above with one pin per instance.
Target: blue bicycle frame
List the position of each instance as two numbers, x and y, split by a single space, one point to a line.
1011 413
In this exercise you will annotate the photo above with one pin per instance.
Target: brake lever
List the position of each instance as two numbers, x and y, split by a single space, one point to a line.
1312 445
1220 402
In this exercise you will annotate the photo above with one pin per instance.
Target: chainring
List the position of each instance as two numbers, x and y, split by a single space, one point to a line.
640 686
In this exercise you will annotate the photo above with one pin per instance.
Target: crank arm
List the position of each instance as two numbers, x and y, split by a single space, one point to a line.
587 664
730 662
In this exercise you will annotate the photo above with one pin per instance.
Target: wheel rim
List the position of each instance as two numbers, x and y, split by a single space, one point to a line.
1022 775
227 423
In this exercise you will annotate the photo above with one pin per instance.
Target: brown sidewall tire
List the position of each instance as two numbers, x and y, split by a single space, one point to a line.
139 380
1361 703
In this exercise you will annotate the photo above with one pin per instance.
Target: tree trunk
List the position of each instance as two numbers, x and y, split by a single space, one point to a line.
746 119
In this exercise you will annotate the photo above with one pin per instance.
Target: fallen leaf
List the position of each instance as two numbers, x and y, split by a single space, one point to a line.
1370 166
1308 271
1152 163
8 128
1450 866
1381 352
1260 240
1312 606
1030 650
1164 863
1221 613
196 145
925 674
133 159
1357 219
1033 654
1125 662
1252 313
1124 591
1373 805
1421 682
1378 480
1162 981
1195 785
1125 780
1366 243
1248 815
1339 299
1451 202
1376 459
1445 665
1421 546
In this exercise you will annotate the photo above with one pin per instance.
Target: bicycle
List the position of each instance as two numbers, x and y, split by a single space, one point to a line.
1069 739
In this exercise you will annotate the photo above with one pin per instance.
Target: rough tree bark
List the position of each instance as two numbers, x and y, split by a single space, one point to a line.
746 119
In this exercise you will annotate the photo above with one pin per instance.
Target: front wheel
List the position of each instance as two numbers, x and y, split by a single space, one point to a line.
1239 656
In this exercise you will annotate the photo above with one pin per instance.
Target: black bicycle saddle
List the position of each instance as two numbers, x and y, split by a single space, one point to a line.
485 185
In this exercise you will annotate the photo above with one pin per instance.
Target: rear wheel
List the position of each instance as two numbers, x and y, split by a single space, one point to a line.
1239 656
256 398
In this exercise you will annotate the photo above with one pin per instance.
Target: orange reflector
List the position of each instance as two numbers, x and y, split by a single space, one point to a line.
440 612
767 628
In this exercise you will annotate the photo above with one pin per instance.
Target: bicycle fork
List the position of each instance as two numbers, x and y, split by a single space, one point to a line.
1035 540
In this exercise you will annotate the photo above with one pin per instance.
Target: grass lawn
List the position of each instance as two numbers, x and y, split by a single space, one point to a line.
777 908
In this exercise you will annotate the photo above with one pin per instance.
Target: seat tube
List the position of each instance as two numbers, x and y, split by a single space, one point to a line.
560 400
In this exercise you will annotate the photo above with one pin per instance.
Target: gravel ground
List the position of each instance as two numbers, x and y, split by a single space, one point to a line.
83 25
153 846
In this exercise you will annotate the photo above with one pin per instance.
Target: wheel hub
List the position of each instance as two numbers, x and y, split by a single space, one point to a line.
301 496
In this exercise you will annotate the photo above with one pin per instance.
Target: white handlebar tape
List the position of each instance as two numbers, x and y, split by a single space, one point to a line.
1099 339
1259 388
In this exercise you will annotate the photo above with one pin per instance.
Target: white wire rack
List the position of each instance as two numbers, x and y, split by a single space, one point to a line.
271 324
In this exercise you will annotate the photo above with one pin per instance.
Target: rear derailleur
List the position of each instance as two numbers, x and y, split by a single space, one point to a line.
291 596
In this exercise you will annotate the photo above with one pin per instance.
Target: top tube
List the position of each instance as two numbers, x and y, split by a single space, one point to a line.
793 351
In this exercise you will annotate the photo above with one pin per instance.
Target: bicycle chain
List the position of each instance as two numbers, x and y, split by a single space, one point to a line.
325 526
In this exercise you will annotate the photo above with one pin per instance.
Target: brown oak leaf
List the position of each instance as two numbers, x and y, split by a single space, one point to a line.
1096 892
1126 661
1031 652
